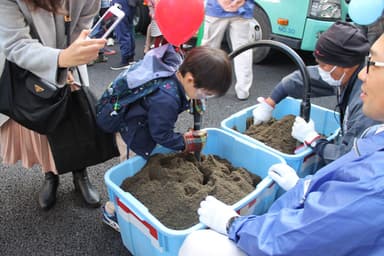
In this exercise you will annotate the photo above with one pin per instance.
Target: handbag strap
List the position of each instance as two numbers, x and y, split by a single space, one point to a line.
67 24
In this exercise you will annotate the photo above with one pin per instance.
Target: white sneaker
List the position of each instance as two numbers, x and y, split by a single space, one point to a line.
110 41
241 95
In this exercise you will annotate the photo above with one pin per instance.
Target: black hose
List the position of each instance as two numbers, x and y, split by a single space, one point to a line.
305 107
196 124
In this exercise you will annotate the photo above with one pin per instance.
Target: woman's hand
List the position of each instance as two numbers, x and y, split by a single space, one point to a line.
82 51
71 82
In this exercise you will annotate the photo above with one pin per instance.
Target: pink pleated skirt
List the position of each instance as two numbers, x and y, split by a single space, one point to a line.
19 143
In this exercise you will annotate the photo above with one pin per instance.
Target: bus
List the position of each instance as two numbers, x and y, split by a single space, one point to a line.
297 23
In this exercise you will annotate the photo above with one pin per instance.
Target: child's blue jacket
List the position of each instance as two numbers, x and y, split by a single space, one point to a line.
150 119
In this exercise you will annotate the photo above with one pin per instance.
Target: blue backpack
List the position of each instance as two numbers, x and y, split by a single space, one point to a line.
141 79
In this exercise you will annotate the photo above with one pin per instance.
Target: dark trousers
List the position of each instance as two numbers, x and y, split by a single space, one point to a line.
124 31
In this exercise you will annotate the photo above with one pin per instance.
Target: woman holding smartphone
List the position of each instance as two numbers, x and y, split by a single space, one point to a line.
48 57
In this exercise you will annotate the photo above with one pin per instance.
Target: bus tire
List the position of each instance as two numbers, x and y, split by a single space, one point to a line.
261 30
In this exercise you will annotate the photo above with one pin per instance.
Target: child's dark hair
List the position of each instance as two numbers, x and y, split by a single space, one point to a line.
210 67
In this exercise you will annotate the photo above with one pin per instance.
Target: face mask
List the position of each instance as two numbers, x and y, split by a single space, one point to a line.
326 77
201 94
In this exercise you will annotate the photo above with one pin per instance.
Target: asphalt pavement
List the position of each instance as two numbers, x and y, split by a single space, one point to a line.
70 228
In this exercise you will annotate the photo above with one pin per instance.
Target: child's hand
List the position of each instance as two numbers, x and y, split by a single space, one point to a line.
195 140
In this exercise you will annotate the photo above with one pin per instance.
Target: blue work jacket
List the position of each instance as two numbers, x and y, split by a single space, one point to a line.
337 211
149 120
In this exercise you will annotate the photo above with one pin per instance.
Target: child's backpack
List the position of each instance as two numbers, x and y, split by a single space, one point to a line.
141 79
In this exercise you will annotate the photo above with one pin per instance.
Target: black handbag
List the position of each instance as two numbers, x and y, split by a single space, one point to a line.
78 142
31 101
67 117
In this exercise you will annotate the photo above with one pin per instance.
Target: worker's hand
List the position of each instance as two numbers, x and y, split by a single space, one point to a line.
284 175
195 140
303 131
215 214
263 112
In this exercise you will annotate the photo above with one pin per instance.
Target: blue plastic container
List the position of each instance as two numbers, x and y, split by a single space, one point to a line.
304 161
144 235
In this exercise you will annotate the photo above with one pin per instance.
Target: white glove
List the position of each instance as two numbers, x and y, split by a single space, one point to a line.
215 214
263 112
303 131
284 175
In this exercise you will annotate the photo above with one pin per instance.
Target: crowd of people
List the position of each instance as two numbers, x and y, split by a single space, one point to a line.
317 214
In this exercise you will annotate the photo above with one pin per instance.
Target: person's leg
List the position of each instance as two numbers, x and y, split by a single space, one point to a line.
214 30
148 39
208 243
243 63
156 34
102 11
109 216
47 194
125 34
20 143
122 147
88 192
158 41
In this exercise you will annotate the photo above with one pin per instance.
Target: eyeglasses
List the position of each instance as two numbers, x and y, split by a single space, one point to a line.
368 63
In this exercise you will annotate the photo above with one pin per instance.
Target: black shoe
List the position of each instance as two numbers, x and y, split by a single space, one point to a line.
121 66
47 195
125 63
86 189
99 59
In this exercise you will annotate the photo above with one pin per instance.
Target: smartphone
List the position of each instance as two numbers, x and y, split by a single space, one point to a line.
107 23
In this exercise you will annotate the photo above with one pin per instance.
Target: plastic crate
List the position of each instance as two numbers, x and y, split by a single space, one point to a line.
304 160
144 235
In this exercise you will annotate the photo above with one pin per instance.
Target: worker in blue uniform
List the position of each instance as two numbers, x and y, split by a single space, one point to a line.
337 211
340 53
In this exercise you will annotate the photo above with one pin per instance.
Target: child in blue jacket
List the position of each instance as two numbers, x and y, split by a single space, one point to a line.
150 119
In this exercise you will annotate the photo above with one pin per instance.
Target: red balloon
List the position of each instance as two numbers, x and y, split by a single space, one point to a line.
179 20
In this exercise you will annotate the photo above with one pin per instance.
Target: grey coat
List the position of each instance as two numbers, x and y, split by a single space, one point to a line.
17 45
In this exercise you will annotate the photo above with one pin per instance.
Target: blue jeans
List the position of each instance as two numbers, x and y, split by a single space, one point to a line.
124 31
